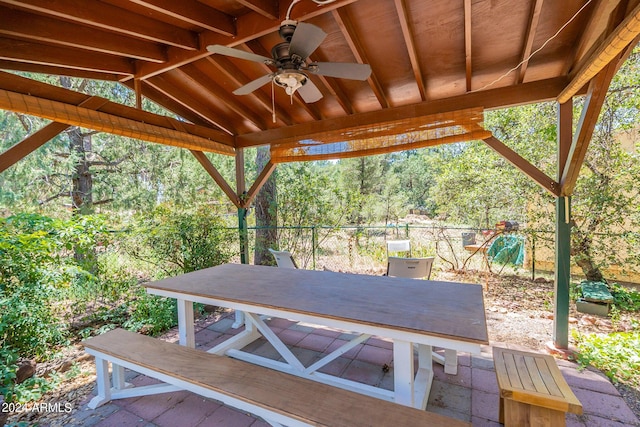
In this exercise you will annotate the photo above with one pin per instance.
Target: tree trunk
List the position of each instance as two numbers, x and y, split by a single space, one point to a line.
82 179
266 214
581 252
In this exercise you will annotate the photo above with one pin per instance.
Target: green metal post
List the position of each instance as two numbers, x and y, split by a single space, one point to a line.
563 273
244 235
407 230
314 240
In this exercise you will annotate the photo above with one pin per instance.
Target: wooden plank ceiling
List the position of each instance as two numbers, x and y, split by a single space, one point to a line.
426 57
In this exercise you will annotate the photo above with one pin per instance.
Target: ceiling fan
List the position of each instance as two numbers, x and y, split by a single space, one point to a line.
290 60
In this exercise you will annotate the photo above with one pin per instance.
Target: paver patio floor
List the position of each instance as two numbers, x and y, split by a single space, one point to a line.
471 395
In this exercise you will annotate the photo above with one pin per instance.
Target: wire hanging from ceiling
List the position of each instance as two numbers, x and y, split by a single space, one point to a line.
534 52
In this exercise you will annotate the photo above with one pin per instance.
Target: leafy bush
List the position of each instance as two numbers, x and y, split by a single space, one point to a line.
181 241
616 354
625 299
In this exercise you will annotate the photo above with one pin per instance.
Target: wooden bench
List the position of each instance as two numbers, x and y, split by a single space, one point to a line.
532 389
277 397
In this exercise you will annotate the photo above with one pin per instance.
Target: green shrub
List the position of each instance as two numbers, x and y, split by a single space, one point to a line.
616 354
625 299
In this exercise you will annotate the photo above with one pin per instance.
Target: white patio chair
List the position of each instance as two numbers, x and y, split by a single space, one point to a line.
284 259
395 246
411 268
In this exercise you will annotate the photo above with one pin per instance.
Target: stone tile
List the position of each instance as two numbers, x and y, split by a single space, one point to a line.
376 355
574 420
328 332
91 417
335 367
462 378
380 342
588 380
595 421
265 350
191 411
278 322
315 342
351 354
122 418
447 399
482 362
387 380
260 423
604 405
205 337
302 327
305 356
363 372
290 337
251 347
484 405
348 336
227 417
149 407
223 325
482 379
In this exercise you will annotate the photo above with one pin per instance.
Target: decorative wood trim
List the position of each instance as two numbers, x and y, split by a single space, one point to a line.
525 167
257 185
217 177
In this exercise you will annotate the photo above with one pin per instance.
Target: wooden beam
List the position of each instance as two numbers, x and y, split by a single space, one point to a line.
39 138
531 35
266 8
608 51
493 98
65 57
565 135
193 12
111 18
103 122
524 166
30 26
57 71
407 34
241 185
467 44
14 83
259 182
349 33
217 177
590 112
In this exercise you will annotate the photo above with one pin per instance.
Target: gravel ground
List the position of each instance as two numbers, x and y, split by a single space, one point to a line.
518 311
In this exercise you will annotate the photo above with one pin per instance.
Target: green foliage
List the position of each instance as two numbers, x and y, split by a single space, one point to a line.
178 241
625 299
617 355
151 314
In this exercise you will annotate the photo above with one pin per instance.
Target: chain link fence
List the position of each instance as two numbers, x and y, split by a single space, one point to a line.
363 249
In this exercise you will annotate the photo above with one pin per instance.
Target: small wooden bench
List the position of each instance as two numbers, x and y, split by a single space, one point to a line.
532 389
277 397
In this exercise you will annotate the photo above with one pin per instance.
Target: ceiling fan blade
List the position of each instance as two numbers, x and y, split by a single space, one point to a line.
310 92
306 38
253 85
237 53
342 70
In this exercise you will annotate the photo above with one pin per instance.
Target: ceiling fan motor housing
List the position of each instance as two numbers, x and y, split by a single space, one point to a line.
287 28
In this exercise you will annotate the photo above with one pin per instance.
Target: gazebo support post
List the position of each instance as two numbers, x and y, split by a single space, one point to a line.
242 222
562 273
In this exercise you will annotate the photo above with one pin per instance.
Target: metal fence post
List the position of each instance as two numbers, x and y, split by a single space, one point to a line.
406 230
314 240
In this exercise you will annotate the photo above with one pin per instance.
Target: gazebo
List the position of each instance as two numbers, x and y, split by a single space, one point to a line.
436 66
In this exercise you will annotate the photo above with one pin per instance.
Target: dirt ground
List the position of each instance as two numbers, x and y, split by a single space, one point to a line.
518 311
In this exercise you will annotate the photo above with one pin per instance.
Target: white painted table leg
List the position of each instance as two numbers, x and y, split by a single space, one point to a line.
403 380
424 376
104 385
239 321
450 361
185 323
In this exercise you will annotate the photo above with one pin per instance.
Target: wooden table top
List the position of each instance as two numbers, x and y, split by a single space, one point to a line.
446 309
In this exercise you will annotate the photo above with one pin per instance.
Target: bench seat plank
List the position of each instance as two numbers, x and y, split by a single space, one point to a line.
293 397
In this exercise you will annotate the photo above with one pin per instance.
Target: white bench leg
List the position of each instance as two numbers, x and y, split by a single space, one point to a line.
117 377
450 361
104 385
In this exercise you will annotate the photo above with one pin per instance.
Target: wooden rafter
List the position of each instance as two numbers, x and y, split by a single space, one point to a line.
349 33
108 17
494 98
609 50
467 44
166 87
64 57
407 34
534 19
192 72
217 177
56 71
193 12
524 166
565 135
29 26
266 8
